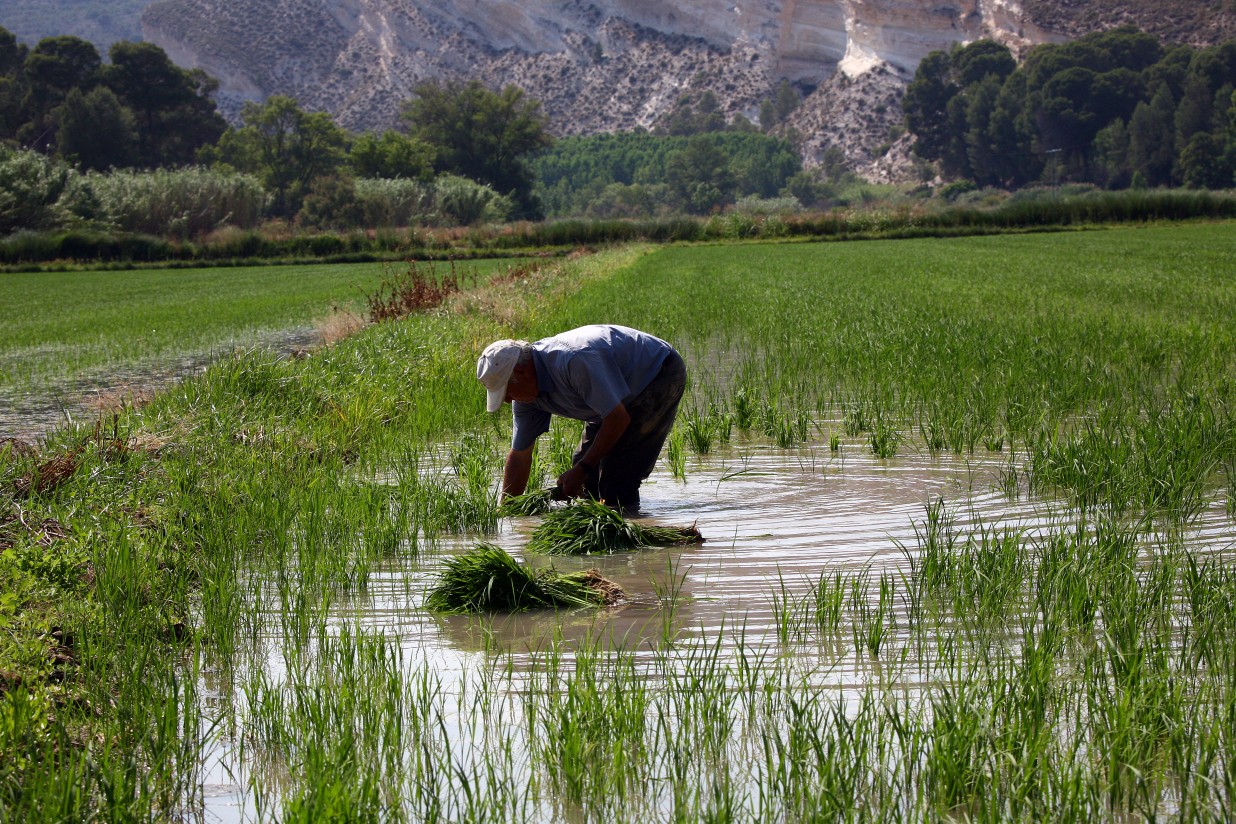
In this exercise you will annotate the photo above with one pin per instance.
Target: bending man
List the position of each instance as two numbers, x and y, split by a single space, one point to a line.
624 384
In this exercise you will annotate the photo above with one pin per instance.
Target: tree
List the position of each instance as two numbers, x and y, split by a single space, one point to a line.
1202 163
785 102
32 188
174 112
59 64
331 204
483 135
391 155
981 150
96 131
926 105
1111 156
287 148
982 59
1011 130
1152 136
12 53
699 176
52 69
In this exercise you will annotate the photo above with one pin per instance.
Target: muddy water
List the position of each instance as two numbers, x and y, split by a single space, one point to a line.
774 519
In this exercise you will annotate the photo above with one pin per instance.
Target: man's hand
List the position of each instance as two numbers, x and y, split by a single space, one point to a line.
573 480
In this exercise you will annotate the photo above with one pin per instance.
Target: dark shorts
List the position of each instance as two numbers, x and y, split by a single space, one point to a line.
633 457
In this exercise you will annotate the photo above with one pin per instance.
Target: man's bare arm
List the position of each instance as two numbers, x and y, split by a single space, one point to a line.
515 473
612 427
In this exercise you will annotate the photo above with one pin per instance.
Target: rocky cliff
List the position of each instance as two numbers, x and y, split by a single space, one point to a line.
603 65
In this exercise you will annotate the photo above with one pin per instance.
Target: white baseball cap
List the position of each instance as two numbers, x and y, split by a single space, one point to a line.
494 367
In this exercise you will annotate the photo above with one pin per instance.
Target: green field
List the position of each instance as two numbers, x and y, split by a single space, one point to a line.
62 326
198 576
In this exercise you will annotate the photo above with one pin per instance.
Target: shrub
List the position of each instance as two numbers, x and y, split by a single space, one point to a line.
390 203
183 203
32 192
463 202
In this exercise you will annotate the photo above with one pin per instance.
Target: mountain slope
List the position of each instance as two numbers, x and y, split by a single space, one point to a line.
603 65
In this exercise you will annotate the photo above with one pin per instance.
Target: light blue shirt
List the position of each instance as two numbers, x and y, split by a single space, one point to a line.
584 374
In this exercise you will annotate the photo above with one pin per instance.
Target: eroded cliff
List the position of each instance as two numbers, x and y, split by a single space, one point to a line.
596 65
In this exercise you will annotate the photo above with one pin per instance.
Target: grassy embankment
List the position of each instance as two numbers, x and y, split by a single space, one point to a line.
1083 674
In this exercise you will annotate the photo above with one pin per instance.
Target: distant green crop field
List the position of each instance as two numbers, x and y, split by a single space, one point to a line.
65 325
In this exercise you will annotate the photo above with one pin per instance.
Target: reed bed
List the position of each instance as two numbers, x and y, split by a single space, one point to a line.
589 527
487 578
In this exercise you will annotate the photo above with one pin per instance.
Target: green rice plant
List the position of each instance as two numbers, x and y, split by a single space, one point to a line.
744 409
698 433
872 623
669 596
487 578
884 441
564 436
590 527
830 599
721 423
933 435
792 613
858 417
474 461
675 456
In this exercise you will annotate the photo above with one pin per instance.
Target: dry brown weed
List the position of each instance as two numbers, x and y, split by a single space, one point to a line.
339 324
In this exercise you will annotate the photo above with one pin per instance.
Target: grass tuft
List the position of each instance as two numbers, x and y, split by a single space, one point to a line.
586 527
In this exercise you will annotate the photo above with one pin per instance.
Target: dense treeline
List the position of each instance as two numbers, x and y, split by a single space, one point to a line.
1116 109
637 174
136 145
138 110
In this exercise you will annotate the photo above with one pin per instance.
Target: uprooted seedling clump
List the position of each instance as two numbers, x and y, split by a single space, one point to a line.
536 502
587 526
487 578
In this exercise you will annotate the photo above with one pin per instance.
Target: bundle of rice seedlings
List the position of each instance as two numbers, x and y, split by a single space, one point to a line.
487 578
588 526
537 502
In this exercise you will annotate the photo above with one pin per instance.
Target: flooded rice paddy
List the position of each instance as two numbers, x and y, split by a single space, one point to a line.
775 521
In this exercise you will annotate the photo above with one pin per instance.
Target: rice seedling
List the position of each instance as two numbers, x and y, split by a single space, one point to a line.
675 457
698 433
488 579
743 406
533 502
588 527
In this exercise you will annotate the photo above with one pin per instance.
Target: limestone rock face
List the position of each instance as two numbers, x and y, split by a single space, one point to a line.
596 65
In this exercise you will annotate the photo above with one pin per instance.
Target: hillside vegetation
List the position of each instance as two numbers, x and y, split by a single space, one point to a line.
102 22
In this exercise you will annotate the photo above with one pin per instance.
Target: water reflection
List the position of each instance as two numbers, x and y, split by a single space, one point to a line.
774 520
